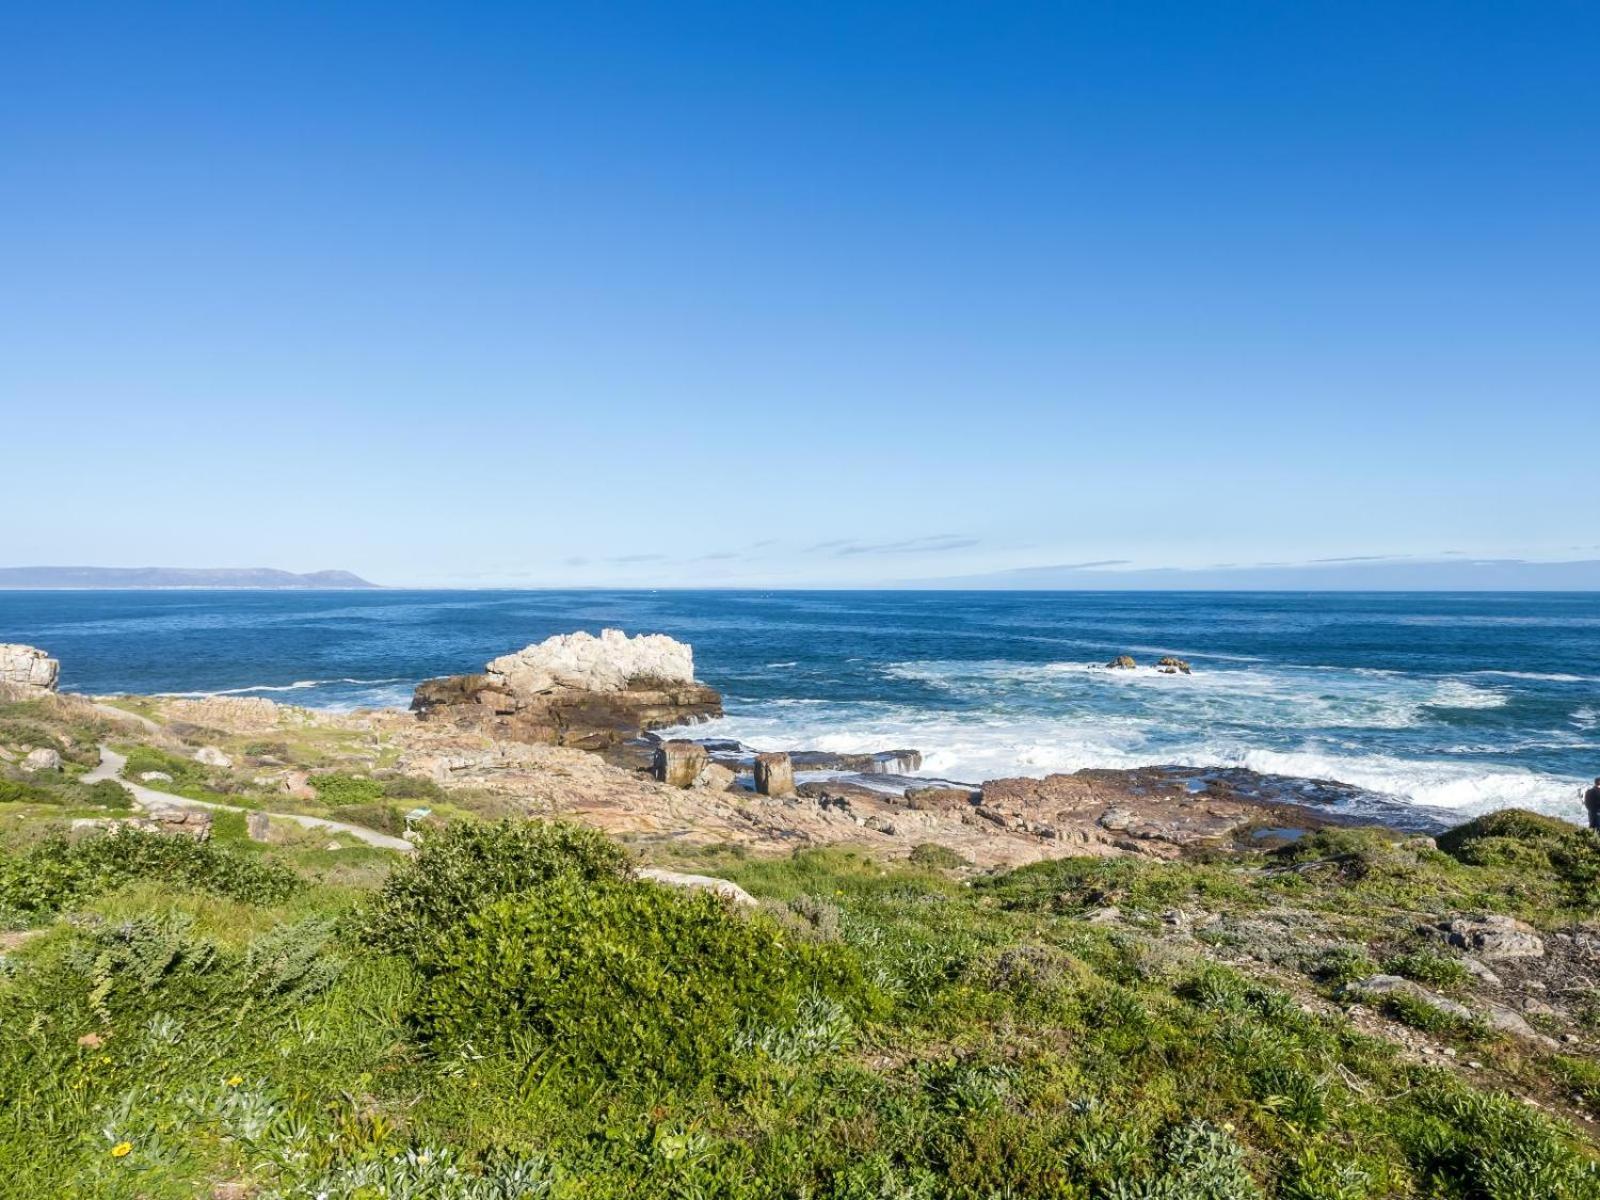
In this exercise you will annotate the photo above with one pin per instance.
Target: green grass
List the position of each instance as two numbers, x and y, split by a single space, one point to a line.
508 1013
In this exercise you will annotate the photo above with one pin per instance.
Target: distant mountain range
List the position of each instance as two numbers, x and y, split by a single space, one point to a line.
173 577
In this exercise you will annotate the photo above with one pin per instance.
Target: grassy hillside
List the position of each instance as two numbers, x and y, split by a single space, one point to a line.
511 1013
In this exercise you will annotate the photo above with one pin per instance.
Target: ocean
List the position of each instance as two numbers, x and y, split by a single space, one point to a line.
1466 702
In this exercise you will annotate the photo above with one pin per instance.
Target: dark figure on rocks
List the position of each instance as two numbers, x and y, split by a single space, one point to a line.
1591 801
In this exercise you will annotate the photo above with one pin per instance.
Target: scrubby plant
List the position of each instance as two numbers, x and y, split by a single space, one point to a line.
1344 964
337 789
466 866
936 857
1533 843
103 793
55 874
143 759
616 980
1426 966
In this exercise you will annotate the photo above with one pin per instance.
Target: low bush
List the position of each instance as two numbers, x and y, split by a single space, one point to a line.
1344 964
56 874
1427 967
184 772
67 793
1531 842
466 866
624 981
337 789
931 854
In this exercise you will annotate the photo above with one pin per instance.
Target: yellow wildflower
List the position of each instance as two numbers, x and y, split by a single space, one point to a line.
121 1150
234 1081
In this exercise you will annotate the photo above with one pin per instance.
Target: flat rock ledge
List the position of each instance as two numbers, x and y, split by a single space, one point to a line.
575 690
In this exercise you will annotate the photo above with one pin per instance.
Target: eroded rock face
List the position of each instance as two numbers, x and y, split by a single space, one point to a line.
575 690
28 667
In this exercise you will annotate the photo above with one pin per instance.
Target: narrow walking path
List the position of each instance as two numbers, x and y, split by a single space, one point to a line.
112 765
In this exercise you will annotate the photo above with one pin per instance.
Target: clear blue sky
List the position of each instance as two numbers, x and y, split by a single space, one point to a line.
812 293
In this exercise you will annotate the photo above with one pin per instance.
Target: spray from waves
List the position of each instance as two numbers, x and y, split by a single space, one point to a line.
298 685
975 749
1453 693
1541 676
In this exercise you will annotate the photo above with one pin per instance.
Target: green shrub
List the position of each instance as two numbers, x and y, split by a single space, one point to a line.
627 981
1427 967
1420 1014
468 865
411 787
935 856
1517 824
385 818
1532 843
102 794
1344 964
337 789
56 874
185 772
15 791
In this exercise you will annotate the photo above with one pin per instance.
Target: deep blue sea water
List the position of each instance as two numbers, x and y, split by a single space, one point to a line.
1468 701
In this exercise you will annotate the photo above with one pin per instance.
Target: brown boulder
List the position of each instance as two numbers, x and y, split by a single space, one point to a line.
679 763
774 775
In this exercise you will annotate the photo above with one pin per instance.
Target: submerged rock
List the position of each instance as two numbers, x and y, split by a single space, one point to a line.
575 690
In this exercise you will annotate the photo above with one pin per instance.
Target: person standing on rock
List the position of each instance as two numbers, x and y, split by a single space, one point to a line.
1591 801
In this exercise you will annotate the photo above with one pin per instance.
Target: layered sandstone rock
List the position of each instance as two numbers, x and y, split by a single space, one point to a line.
28 668
1125 812
575 690
678 763
774 775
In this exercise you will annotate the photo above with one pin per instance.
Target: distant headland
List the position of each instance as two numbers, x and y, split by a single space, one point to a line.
174 577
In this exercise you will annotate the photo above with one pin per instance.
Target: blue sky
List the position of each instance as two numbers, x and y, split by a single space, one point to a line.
802 294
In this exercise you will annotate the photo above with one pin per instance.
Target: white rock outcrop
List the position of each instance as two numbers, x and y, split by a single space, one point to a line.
28 667
607 663
42 759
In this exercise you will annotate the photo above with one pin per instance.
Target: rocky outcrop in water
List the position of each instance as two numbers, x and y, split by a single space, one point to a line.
575 690
27 668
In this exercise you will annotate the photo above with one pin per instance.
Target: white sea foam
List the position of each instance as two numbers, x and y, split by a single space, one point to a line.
1541 676
298 685
1453 693
992 718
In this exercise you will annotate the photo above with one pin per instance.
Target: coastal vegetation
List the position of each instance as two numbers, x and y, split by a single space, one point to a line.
514 1010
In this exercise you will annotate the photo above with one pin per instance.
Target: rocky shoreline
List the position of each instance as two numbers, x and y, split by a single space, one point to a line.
567 727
